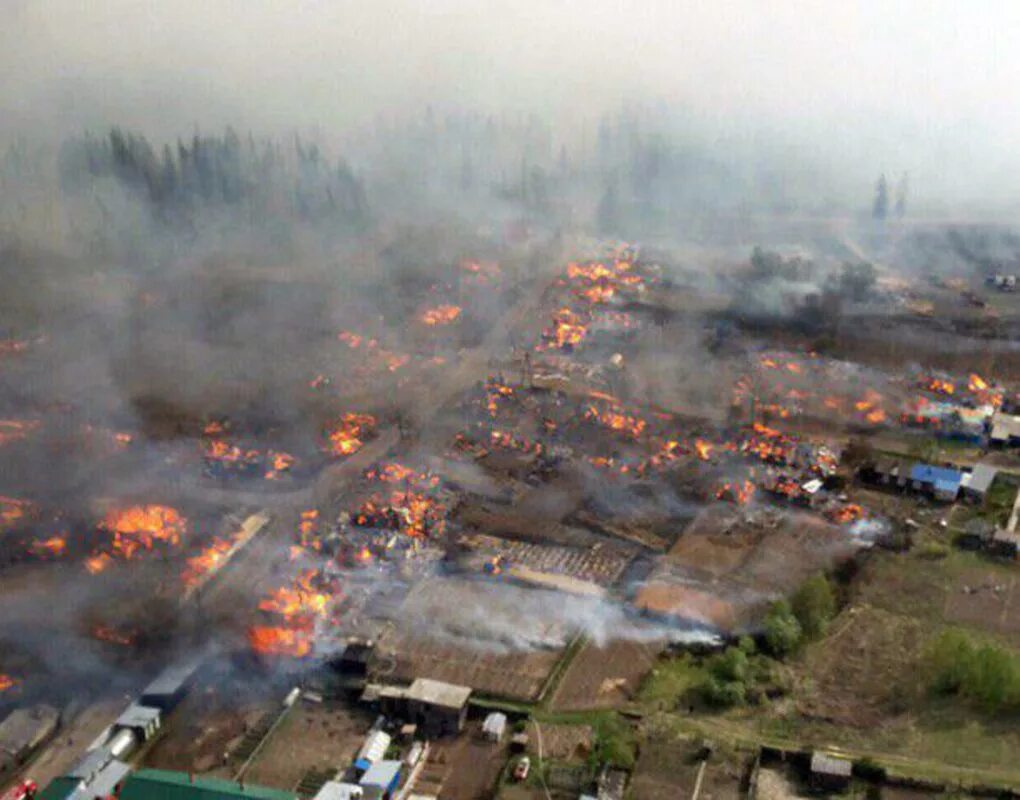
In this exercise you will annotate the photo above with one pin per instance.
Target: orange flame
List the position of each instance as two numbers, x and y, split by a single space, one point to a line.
441 315
54 546
7 682
13 511
846 513
567 331
140 527
740 493
14 430
104 633
97 563
279 641
279 462
618 420
346 436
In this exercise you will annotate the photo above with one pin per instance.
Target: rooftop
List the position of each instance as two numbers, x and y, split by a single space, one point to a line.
335 790
27 727
137 716
158 784
824 764
981 478
927 473
172 679
382 774
439 693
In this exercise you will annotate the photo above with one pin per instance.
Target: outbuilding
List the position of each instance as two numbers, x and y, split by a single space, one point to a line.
382 779
494 726
830 773
975 484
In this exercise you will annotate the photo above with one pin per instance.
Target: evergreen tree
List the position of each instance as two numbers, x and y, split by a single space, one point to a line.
880 209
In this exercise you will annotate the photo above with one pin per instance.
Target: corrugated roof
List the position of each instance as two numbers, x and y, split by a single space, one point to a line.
158 784
382 774
926 473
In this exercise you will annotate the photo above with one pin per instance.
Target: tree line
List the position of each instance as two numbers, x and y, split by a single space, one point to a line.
217 171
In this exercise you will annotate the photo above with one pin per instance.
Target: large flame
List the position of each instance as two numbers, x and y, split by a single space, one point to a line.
140 527
278 641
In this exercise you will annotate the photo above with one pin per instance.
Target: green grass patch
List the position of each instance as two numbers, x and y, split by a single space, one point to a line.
672 680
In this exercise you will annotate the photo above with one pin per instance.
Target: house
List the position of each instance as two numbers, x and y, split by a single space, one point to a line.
436 707
830 773
381 780
975 484
887 472
942 483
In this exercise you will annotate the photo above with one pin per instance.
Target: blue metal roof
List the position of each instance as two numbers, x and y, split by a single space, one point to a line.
943 477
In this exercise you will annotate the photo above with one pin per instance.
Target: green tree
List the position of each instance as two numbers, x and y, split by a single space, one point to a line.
814 605
782 630
725 694
730 665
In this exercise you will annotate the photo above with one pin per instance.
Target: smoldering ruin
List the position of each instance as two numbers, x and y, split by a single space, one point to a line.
458 402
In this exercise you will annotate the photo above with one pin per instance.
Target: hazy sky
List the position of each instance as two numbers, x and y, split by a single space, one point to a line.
916 81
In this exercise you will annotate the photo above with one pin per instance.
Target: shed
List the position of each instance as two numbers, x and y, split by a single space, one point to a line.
829 772
1005 430
976 484
494 726
336 790
374 749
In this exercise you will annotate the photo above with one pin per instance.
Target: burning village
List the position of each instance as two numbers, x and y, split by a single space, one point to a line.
466 454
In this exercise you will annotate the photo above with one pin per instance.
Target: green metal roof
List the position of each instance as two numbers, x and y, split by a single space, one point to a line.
158 784
58 788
